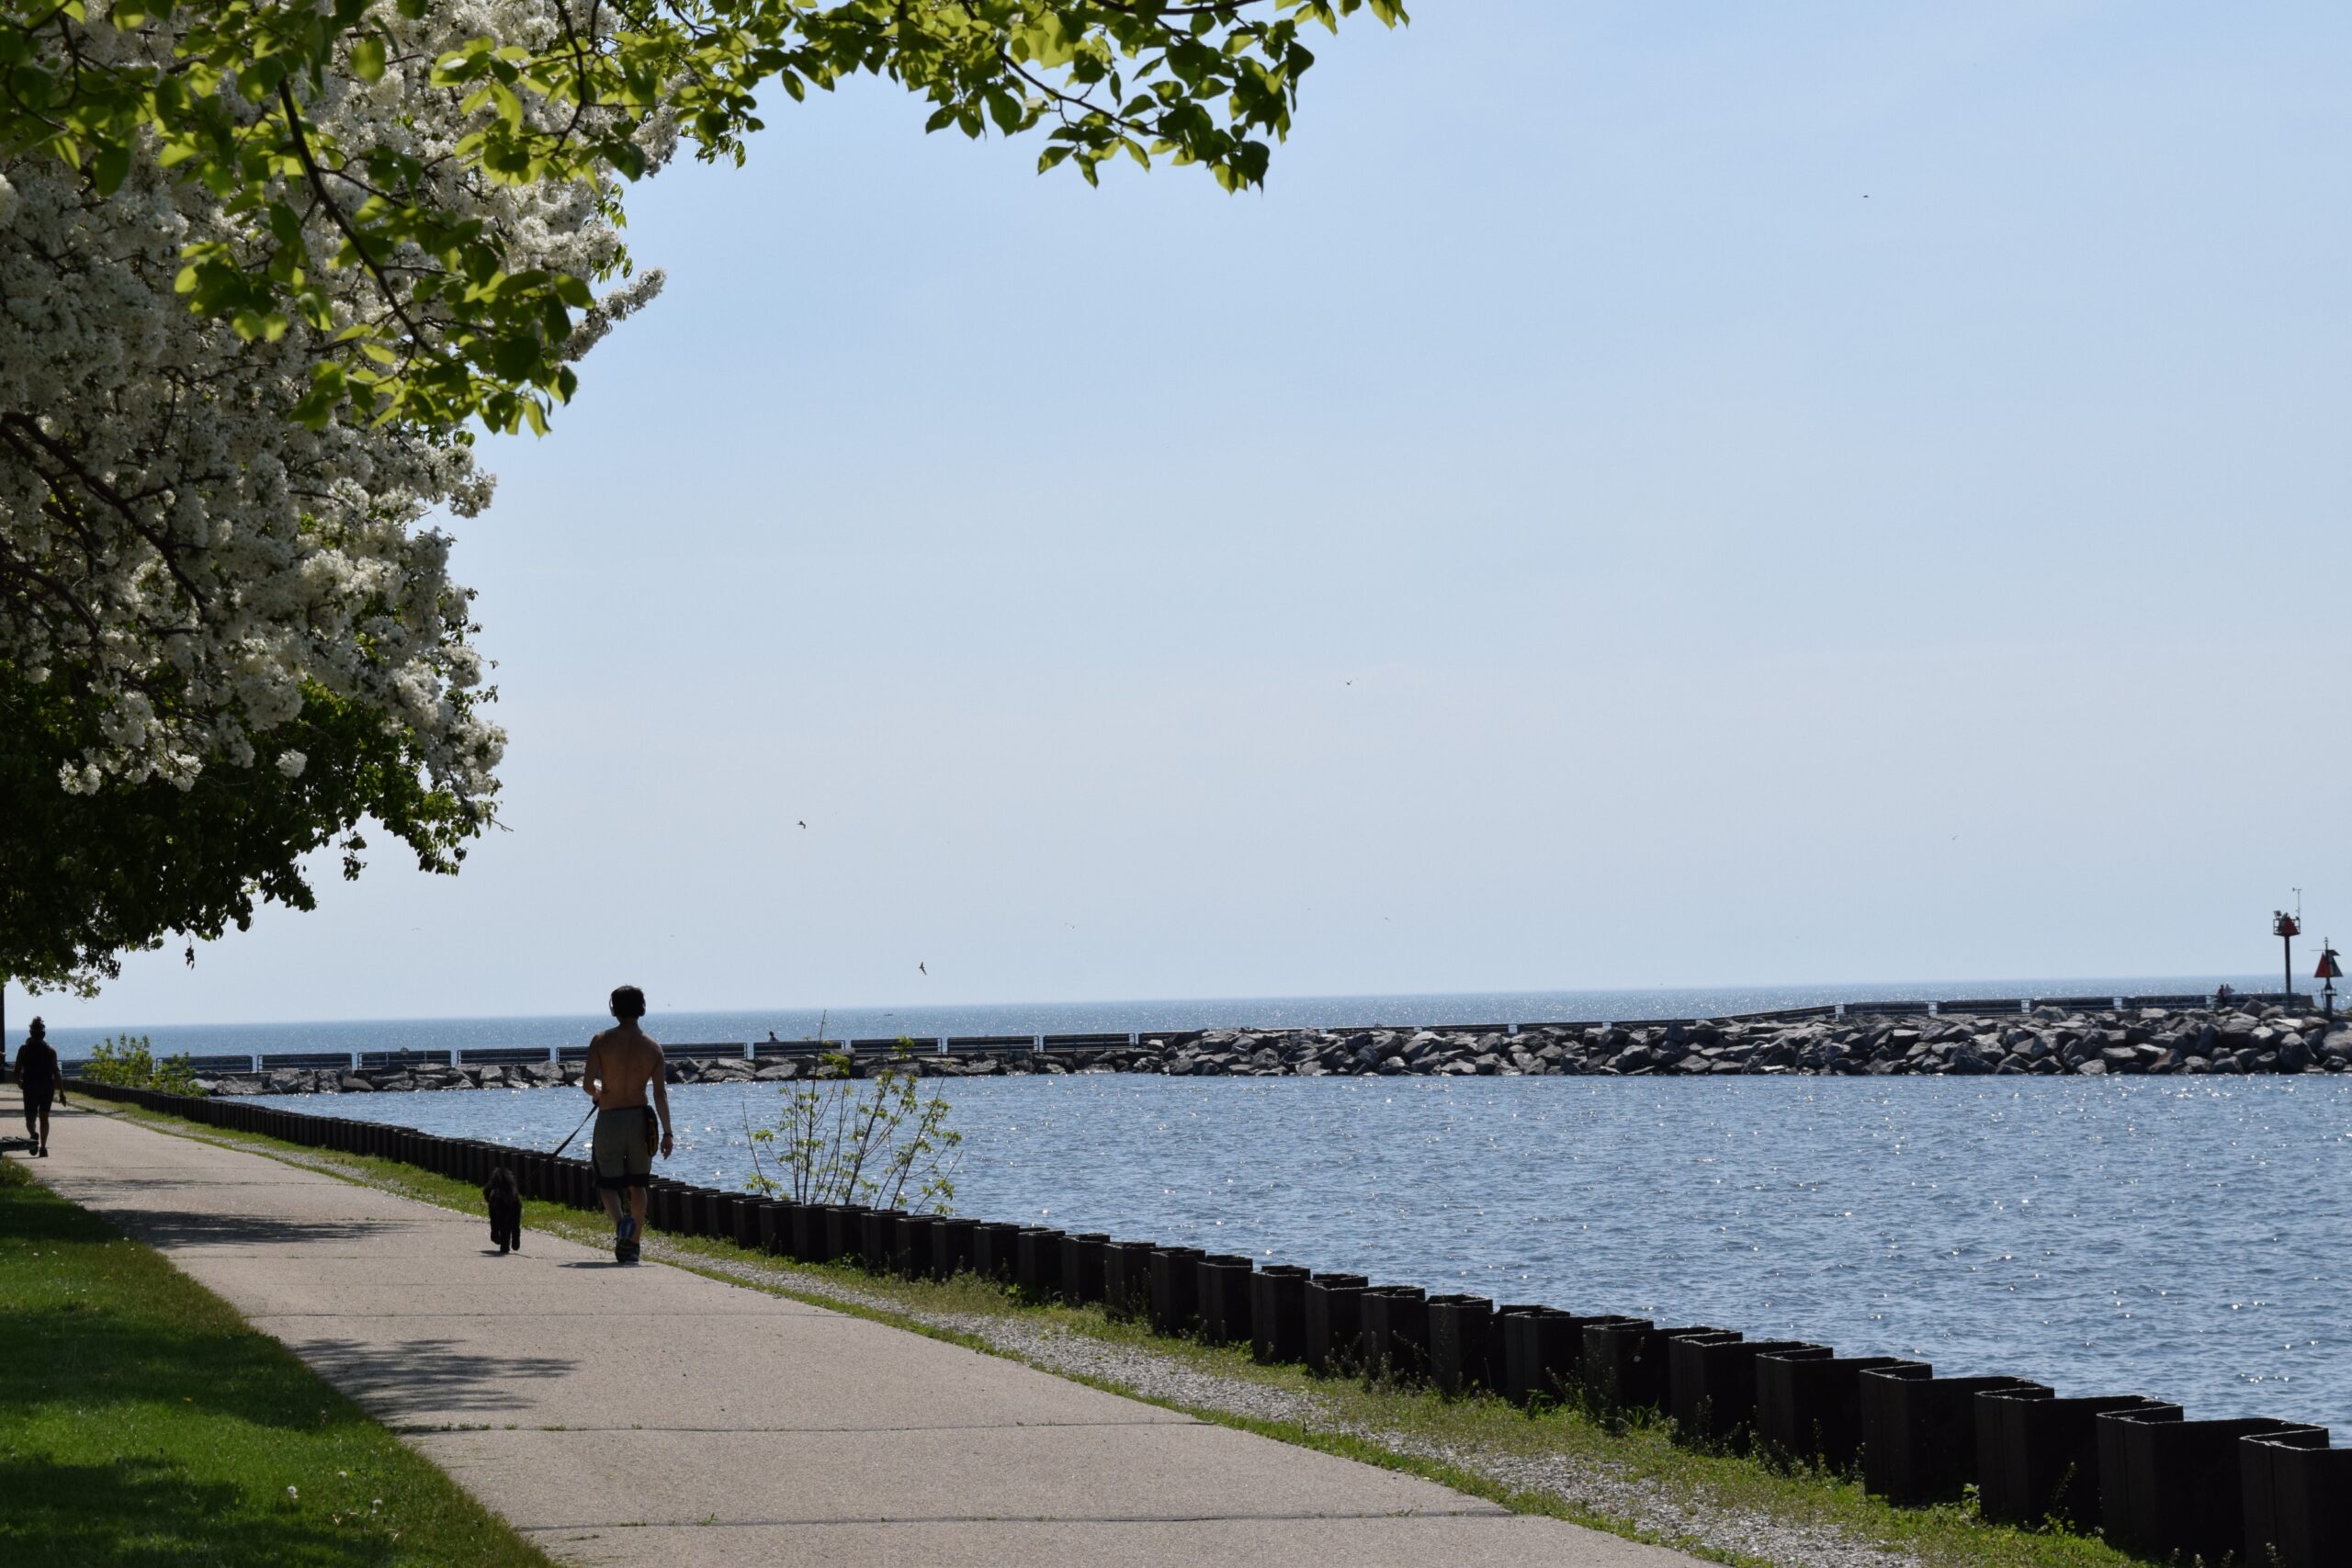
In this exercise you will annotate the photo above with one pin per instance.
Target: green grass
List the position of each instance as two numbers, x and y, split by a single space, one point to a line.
1952 1536
142 1421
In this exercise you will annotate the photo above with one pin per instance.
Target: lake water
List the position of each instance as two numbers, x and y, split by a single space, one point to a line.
2186 1238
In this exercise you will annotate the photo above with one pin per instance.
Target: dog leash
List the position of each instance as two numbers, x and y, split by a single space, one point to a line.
575 1132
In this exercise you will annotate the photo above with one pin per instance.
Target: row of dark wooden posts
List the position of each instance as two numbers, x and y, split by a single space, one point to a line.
2136 1468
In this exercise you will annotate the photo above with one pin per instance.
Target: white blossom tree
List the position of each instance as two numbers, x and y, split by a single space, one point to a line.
265 269
228 634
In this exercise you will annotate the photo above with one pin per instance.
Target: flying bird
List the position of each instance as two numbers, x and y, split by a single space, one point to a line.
924 967
803 824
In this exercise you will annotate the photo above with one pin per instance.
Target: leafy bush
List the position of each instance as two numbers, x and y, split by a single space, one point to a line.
878 1141
130 1062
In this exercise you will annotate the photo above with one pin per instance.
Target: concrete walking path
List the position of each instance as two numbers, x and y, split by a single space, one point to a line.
653 1415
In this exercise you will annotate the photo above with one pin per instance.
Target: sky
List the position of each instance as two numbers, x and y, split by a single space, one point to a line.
1649 493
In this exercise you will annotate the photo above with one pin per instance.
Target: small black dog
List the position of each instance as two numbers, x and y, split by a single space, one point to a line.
505 1210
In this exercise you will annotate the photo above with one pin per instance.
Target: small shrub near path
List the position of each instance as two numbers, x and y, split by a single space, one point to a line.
130 1062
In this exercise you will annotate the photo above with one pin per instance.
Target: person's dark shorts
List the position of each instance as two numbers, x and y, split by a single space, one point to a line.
36 1098
623 1146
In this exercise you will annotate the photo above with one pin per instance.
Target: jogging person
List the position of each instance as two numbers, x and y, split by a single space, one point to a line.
623 1064
37 1079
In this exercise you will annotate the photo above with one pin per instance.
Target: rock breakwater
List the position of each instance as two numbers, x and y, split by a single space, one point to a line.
2049 1041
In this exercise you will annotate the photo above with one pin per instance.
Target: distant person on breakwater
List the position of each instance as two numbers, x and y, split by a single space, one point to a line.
624 1061
38 1079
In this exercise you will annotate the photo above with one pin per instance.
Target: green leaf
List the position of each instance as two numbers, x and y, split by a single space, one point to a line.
368 59
109 169
318 405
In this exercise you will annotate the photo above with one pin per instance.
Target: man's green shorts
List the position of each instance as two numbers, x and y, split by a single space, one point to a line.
623 1149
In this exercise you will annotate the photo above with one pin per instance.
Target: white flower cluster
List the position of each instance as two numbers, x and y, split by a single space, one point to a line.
176 549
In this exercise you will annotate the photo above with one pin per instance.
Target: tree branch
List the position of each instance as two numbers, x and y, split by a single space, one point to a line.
335 211
21 428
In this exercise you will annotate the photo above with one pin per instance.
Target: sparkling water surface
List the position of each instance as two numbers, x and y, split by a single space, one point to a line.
2189 1238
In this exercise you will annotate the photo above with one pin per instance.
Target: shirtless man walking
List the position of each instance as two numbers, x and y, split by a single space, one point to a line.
623 1064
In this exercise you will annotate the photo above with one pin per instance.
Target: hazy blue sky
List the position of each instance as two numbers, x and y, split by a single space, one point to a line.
1650 492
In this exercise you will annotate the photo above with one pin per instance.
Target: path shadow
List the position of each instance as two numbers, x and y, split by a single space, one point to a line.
93 1357
73 1353
180 1227
417 1376
68 1355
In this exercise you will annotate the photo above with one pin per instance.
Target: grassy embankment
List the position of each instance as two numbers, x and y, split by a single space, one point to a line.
1948 1536
142 1422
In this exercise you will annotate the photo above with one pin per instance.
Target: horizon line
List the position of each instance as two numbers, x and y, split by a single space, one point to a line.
1929 991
